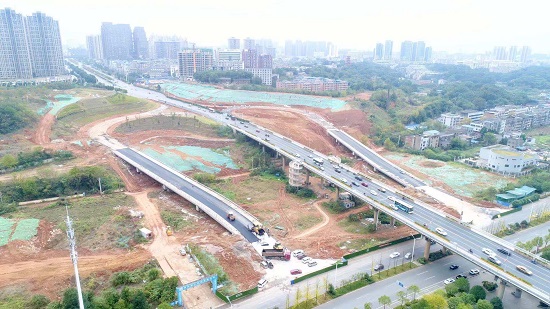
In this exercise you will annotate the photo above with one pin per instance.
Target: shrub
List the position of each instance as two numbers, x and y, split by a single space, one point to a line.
478 292
489 286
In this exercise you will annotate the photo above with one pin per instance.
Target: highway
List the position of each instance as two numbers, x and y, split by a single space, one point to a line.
241 223
459 238
376 160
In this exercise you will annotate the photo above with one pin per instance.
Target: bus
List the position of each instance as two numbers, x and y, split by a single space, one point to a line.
404 206
318 161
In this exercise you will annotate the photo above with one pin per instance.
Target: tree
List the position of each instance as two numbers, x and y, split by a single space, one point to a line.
435 301
256 80
164 306
8 161
402 296
384 300
367 306
484 304
546 254
421 304
454 302
389 145
489 139
497 303
468 298
458 144
413 289
451 289
463 284
38 302
139 300
70 299
478 292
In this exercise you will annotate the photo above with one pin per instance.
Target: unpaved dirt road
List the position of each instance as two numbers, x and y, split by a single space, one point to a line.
317 227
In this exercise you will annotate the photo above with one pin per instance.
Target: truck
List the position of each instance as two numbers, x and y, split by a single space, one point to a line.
278 246
257 228
281 254
231 216
169 231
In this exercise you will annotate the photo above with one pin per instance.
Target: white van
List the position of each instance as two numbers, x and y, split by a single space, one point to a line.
262 283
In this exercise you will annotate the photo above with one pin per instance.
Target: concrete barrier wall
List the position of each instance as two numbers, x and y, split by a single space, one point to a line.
182 193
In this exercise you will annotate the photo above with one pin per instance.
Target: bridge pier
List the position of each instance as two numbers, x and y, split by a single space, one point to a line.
427 249
517 293
444 250
307 177
197 208
263 148
501 288
234 131
376 213
137 170
392 221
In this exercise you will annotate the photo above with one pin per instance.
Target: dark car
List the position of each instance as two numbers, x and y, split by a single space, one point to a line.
461 276
337 170
355 184
504 251
378 267
364 184
453 267
358 178
300 256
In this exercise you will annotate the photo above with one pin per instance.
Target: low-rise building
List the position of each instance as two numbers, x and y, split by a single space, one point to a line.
428 139
507 198
504 159
314 84
450 120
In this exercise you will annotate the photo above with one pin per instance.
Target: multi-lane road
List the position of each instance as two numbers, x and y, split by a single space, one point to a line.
459 238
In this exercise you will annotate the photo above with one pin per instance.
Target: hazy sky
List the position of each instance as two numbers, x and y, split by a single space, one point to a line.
461 25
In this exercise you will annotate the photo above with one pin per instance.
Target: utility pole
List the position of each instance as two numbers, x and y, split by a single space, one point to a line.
74 257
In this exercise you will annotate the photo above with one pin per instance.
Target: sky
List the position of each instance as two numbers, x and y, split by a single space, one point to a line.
453 26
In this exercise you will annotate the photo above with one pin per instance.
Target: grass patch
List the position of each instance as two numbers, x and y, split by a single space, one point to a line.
99 222
394 271
355 227
197 125
258 189
360 244
307 221
90 110
212 266
174 220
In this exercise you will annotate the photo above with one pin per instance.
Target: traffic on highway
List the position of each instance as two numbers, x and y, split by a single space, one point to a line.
457 237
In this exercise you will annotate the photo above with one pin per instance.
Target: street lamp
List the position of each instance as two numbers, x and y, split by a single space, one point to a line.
414 246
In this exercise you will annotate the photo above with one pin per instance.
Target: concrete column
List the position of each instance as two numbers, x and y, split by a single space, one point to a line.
137 170
283 162
392 221
337 192
276 155
307 177
376 213
444 250
517 293
197 208
427 249
501 288
234 131
263 148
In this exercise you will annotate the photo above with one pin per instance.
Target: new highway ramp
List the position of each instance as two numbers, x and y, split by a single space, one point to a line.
220 207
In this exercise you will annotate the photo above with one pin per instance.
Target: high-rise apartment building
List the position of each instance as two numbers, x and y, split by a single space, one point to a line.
499 53
249 43
233 43
512 53
379 51
15 57
419 51
167 49
428 54
525 54
117 42
250 58
30 46
141 46
93 44
406 51
45 46
388 50
229 59
194 60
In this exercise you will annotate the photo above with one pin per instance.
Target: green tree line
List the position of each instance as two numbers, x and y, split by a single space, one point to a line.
36 157
77 180
14 116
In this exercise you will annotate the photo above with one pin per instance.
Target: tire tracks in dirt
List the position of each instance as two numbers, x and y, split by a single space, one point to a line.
318 227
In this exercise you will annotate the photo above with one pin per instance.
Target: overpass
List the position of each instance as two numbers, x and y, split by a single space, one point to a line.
212 203
424 219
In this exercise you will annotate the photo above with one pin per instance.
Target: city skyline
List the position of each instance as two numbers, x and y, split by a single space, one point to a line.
442 23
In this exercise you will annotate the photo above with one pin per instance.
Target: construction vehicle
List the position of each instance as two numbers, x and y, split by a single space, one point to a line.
231 216
278 246
283 254
169 230
257 228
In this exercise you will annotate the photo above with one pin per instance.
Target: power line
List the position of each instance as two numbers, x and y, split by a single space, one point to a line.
74 257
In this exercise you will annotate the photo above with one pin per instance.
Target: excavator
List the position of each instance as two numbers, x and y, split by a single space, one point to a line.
169 231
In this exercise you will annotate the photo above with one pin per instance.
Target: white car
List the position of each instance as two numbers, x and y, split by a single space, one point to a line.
494 259
297 155
474 271
306 260
343 180
440 231
391 198
394 255
373 192
408 255
448 281
488 251
296 252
